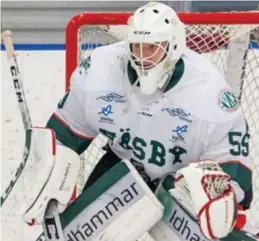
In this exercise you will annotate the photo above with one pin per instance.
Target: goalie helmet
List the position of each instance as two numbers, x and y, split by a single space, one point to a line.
157 24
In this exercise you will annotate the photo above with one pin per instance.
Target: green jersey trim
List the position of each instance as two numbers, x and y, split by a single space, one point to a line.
67 136
239 173
243 176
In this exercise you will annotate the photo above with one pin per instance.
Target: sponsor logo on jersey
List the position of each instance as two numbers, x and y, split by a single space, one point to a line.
227 101
175 138
112 97
178 133
144 113
178 112
105 113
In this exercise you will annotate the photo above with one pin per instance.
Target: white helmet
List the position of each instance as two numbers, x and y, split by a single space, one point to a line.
155 23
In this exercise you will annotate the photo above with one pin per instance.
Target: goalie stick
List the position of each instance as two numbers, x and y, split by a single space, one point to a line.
51 216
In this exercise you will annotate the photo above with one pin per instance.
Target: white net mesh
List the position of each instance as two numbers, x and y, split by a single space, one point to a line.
214 185
216 42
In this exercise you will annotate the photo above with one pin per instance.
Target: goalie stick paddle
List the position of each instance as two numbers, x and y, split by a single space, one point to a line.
51 210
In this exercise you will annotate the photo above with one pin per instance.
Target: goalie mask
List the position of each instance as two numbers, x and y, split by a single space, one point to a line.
156 40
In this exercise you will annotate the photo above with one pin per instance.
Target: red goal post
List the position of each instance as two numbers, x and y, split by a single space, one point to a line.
207 33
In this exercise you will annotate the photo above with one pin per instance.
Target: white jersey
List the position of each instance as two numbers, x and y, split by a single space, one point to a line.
196 117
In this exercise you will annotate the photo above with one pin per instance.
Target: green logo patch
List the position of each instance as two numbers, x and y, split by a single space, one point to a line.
86 64
227 100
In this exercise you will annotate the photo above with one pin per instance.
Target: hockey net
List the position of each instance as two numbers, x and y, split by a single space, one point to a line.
229 39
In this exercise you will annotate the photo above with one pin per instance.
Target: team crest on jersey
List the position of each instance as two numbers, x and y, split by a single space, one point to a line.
105 114
112 97
227 101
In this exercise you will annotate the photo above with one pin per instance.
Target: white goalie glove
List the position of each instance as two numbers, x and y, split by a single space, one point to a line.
48 171
205 190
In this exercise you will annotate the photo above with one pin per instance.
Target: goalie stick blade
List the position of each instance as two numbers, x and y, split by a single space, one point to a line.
51 224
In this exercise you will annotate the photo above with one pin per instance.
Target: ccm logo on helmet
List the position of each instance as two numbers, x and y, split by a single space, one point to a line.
141 32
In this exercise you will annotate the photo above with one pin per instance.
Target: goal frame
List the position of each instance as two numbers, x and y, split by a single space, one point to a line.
235 46
121 18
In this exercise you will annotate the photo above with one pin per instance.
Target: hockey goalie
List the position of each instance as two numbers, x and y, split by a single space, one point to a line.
176 162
